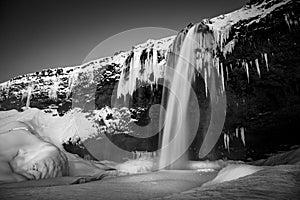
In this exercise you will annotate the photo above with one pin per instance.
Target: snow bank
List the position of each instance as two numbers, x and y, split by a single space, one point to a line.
74 123
53 129
232 172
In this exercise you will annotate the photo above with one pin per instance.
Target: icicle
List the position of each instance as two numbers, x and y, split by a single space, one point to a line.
156 69
222 77
247 71
72 79
243 135
24 95
286 17
218 67
229 47
29 92
53 90
132 80
5 86
132 72
225 141
296 22
199 61
257 67
266 60
154 56
227 74
205 81
90 77
208 66
237 132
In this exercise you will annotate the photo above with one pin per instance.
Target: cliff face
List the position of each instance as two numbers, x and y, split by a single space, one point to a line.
262 84
53 89
258 53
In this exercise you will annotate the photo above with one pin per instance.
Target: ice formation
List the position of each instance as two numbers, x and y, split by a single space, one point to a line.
245 65
143 155
54 89
28 95
237 132
291 20
5 86
143 66
240 133
266 61
72 79
243 135
257 67
226 141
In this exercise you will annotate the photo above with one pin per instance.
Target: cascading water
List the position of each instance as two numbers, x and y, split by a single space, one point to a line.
181 118
176 130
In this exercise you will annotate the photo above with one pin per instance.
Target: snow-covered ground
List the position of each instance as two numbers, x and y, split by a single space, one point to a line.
59 130
278 182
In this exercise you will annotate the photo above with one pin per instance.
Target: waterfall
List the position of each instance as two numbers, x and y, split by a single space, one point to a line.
174 141
182 117
177 133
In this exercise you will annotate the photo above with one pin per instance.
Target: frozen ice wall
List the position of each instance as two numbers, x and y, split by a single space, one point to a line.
144 65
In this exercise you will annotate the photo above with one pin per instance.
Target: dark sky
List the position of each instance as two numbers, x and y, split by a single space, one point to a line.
37 34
